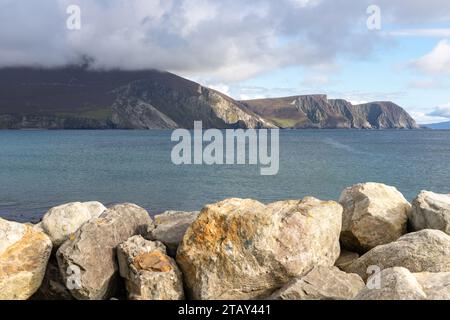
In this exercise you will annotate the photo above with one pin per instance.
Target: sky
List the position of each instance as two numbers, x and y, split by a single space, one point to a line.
359 50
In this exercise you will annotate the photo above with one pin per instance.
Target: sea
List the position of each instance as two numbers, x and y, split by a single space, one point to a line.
42 169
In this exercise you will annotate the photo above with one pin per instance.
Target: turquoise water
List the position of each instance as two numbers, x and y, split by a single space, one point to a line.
41 169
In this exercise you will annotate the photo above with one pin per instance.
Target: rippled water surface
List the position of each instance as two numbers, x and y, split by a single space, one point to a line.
40 169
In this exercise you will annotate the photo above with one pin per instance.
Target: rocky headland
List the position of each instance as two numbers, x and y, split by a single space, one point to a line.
81 98
372 244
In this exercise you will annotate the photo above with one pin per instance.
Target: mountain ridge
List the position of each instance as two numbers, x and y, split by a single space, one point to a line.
317 111
80 98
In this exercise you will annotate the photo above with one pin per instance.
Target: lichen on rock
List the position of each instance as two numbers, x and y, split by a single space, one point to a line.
243 249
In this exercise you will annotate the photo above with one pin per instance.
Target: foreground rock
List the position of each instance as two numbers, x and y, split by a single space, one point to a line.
423 251
400 284
170 228
38 227
322 283
149 273
60 222
431 211
374 214
90 255
243 249
346 258
52 287
435 285
24 253
392 284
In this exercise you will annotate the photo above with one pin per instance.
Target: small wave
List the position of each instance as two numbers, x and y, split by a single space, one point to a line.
341 146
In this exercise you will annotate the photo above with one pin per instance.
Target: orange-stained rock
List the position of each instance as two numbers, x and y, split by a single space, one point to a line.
243 249
148 272
24 253
152 261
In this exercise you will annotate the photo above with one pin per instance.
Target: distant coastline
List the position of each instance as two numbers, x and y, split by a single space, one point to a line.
438 126
190 129
150 99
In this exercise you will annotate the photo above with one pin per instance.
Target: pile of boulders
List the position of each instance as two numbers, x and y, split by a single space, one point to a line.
372 244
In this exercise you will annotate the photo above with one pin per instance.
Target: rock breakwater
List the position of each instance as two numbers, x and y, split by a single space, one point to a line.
372 244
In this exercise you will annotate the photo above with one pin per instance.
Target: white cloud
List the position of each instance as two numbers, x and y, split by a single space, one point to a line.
304 3
426 84
242 92
316 80
439 33
244 96
358 97
223 88
356 102
442 111
437 62
414 12
195 12
226 40
427 115
424 118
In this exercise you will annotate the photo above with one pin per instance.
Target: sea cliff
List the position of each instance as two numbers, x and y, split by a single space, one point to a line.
81 98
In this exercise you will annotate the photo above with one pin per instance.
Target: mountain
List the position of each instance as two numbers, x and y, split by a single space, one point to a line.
438 126
317 111
80 98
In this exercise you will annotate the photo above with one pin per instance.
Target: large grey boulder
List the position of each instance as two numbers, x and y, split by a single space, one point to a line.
392 284
24 253
423 251
243 249
400 284
62 221
430 211
435 285
170 228
88 261
149 273
374 214
321 283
